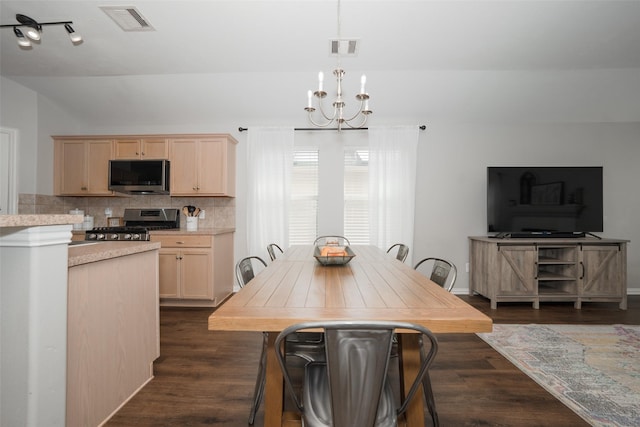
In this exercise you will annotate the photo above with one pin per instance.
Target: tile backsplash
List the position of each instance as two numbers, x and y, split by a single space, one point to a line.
220 212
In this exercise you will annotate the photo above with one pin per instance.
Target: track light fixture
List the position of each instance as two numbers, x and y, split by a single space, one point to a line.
32 29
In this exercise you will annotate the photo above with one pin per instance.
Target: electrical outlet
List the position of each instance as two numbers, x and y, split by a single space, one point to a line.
466 267
201 214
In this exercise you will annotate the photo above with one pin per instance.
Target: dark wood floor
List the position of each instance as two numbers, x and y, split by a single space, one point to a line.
207 378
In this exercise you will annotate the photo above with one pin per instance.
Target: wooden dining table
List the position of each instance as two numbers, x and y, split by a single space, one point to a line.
374 285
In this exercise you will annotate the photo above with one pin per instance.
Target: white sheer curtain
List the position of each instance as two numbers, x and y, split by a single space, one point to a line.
392 184
269 166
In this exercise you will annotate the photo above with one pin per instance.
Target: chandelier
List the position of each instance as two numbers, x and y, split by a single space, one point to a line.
358 119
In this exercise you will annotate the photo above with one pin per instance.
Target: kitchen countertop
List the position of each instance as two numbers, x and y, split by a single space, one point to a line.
38 220
93 252
201 230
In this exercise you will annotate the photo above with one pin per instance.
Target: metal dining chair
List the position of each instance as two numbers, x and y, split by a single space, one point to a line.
331 240
351 387
443 272
271 248
403 251
308 347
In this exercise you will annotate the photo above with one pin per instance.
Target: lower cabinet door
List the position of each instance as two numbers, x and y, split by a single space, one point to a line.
169 262
516 270
196 267
602 271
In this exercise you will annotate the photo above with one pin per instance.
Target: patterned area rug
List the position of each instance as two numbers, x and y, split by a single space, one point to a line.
592 369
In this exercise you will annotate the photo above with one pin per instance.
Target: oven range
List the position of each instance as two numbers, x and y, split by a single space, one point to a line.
137 225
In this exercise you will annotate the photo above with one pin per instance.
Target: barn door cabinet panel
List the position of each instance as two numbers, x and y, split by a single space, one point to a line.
203 165
604 269
141 149
195 269
538 270
81 167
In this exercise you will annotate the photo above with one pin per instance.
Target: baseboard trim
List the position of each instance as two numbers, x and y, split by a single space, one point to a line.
465 291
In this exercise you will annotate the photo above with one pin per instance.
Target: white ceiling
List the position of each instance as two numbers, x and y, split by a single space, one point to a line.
209 61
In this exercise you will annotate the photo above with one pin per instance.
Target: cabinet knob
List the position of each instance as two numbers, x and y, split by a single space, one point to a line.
143 153
83 188
137 153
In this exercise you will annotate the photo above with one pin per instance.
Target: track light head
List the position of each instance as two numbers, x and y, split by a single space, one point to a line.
30 25
22 40
75 37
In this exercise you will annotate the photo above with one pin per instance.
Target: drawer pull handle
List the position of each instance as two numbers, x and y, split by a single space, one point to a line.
180 243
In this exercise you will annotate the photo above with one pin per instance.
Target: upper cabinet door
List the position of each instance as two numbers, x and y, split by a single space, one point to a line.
183 155
203 167
141 149
81 167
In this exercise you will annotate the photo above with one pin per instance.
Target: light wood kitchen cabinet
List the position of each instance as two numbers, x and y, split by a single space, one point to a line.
203 165
81 167
195 269
141 149
538 270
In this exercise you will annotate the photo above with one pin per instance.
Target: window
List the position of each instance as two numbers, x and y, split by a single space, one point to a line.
303 217
356 195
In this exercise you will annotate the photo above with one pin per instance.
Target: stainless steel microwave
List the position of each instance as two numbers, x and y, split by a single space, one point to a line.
139 176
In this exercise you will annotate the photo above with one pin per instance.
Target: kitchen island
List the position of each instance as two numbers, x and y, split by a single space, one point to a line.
113 327
104 294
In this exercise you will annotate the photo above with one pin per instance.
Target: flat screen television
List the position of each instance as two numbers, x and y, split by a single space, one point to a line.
544 201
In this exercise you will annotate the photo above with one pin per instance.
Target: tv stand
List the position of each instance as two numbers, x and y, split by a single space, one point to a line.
535 269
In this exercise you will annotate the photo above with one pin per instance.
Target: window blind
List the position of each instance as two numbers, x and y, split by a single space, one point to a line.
303 216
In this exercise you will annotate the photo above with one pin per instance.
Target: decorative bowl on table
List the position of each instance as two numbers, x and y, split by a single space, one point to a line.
333 255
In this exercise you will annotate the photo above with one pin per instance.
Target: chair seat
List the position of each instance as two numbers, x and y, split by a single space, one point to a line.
318 410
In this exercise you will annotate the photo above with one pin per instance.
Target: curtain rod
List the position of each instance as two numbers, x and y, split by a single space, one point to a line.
241 129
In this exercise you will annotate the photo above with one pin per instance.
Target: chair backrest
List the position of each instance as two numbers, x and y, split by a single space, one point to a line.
403 251
271 248
443 272
357 361
332 240
244 269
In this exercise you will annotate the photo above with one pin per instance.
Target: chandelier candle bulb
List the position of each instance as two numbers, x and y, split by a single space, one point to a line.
363 80
320 80
309 99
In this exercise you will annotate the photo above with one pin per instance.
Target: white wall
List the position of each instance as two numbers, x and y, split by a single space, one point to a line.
19 110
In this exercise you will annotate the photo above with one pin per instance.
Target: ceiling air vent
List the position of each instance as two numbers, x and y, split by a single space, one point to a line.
344 47
128 18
